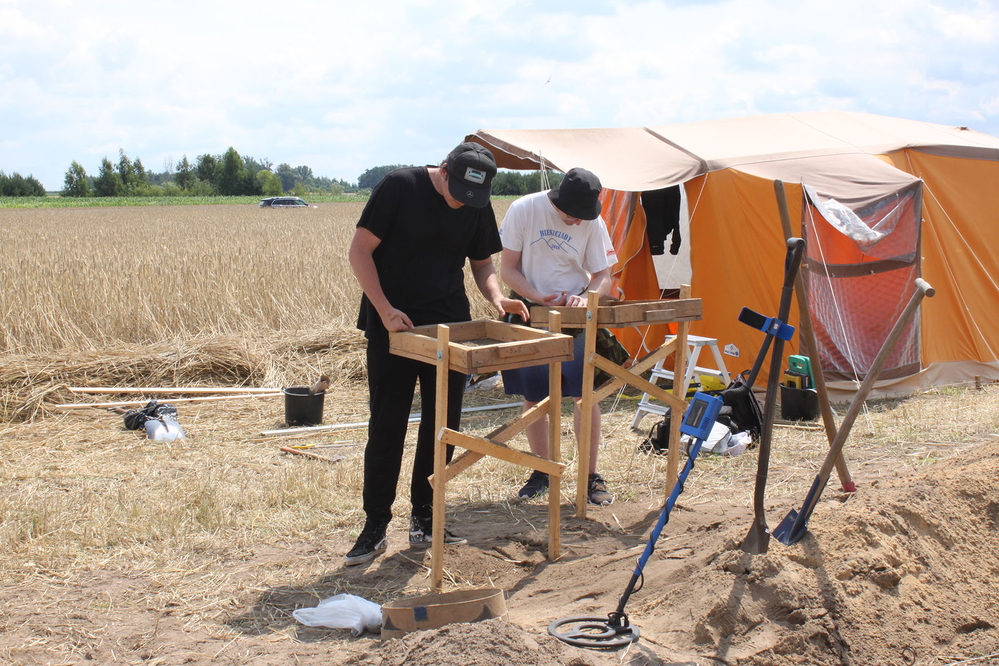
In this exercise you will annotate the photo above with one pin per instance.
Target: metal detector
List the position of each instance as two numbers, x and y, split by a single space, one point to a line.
615 630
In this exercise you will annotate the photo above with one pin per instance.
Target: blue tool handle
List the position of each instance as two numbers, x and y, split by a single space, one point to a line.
695 448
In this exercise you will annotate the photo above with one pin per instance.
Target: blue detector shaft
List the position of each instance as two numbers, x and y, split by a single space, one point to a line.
616 631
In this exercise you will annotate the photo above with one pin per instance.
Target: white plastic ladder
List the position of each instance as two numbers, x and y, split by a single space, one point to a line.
696 342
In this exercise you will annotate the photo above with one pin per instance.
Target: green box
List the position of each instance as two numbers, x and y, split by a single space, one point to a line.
803 365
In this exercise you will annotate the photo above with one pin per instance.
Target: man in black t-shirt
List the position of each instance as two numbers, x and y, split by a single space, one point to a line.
408 254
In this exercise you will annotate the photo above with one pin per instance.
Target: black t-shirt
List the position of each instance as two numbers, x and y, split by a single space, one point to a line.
424 244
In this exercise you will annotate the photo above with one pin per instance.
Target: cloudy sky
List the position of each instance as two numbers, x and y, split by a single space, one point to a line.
342 87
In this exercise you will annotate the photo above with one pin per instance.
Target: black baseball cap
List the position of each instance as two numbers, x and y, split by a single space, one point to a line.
470 169
578 195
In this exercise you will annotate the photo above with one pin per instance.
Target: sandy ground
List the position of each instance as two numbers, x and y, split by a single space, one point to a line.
903 572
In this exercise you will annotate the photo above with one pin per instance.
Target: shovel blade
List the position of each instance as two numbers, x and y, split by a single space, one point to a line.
757 541
785 532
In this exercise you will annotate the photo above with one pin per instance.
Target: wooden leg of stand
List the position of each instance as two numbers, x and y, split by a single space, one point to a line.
808 333
679 371
554 446
586 405
440 460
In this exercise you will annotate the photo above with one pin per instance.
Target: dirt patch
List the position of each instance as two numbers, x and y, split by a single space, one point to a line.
903 572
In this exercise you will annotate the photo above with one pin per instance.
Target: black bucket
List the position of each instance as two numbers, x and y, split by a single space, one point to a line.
798 404
302 408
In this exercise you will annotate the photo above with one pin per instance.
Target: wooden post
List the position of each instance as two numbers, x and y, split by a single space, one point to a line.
679 372
554 446
586 405
805 322
440 459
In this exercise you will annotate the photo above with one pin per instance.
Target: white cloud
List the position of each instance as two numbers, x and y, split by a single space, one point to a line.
344 88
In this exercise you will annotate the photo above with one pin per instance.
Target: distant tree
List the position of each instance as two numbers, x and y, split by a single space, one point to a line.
125 171
254 165
138 173
185 174
206 165
374 175
510 183
16 185
287 175
75 184
304 173
108 182
268 183
231 174
326 185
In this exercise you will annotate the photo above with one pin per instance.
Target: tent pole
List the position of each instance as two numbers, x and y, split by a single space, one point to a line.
805 320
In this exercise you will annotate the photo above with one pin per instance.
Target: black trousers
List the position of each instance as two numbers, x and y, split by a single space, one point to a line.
391 387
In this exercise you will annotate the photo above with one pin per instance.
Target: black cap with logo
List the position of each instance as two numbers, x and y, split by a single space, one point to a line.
471 168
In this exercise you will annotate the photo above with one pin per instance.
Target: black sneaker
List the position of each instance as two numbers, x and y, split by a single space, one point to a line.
597 491
371 542
537 484
420 534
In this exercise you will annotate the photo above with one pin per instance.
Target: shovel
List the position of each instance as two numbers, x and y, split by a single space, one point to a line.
795 524
758 539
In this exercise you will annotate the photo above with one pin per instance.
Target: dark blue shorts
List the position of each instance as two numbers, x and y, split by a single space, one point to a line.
532 381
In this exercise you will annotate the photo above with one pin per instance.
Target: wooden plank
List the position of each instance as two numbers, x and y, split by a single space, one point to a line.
626 376
440 460
502 434
504 332
413 345
527 347
586 405
555 448
623 313
458 465
679 369
637 368
502 452
156 390
805 323
68 407
661 315
313 456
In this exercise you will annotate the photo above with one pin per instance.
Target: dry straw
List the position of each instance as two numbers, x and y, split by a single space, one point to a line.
215 295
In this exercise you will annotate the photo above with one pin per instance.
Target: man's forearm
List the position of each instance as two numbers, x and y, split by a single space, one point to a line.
486 280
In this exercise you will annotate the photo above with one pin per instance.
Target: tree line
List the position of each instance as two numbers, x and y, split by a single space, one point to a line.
514 183
16 185
229 174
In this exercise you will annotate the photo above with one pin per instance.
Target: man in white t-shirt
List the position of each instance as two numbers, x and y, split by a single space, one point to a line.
555 249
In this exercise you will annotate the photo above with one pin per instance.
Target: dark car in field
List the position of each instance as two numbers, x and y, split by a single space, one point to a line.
282 202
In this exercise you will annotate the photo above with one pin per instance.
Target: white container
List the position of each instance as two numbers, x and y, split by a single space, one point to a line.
165 430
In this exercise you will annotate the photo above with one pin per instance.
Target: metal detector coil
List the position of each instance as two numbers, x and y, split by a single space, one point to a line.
615 630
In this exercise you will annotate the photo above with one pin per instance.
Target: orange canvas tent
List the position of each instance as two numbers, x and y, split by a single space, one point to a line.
934 184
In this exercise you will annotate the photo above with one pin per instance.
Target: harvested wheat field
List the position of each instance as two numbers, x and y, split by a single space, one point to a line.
118 549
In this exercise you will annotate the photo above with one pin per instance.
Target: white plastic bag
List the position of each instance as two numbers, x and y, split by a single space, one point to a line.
344 611
163 429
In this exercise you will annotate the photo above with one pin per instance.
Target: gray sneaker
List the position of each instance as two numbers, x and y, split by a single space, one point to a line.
367 547
420 534
597 491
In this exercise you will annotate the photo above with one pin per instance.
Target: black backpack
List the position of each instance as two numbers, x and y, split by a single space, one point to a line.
658 440
741 410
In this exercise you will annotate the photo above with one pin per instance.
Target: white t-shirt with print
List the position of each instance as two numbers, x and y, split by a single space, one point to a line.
555 256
